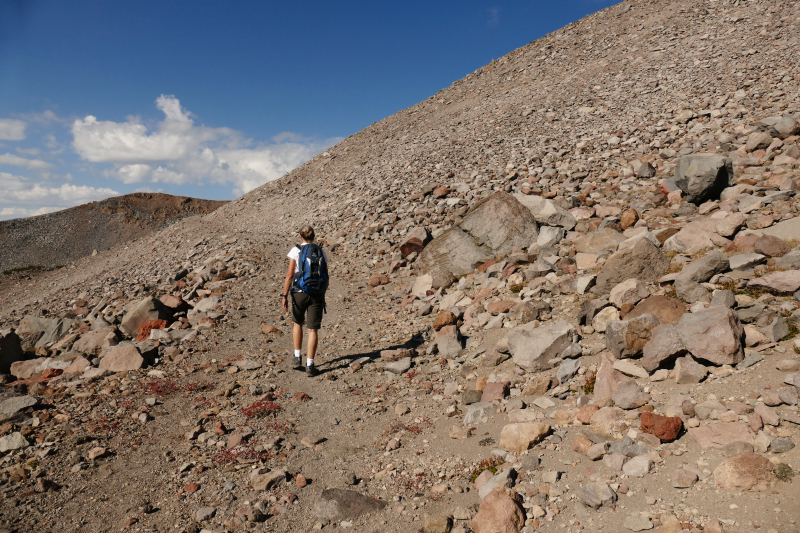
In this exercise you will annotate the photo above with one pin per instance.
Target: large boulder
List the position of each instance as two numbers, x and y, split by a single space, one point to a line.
713 335
627 338
643 261
785 282
517 438
342 504
10 350
533 350
547 212
687 284
500 512
703 176
667 310
148 309
56 329
665 346
96 341
122 358
496 224
746 471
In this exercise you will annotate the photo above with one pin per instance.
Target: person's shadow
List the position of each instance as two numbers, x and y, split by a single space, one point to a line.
346 360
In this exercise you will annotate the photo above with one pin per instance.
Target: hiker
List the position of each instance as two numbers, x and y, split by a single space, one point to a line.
306 282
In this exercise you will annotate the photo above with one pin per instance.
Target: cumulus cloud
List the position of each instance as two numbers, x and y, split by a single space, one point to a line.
12 129
177 151
20 196
17 161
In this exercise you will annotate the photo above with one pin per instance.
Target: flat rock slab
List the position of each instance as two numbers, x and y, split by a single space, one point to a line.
746 471
342 504
721 434
14 405
778 282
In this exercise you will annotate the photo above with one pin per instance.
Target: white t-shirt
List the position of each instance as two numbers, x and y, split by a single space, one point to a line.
294 253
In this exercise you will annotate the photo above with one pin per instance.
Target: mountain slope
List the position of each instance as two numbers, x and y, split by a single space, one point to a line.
64 236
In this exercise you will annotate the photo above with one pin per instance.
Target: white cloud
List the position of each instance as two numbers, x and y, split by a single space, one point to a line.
19 212
12 129
23 195
178 152
17 161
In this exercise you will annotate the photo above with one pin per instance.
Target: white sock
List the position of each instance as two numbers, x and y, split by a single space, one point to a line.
297 354
309 362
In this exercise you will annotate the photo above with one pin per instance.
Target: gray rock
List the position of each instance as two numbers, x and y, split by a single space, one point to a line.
746 261
637 522
205 513
689 371
546 211
787 126
57 329
567 370
699 271
758 140
665 345
498 223
714 335
751 359
471 396
790 261
532 350
630 396
643 261
777 329
478 412
684 479
398 367
788 395
723 298
704 410
597 451
596 494
14 441
638 466
14 405
342 504
627 338
549 235
448 341
703 177
781 445
504 478
264 479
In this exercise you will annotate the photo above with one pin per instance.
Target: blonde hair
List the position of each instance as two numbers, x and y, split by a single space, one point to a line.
307 233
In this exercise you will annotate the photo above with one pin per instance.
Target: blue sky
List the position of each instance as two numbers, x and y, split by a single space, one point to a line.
213 98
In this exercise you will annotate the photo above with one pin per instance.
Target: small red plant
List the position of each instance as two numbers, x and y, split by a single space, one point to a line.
260 409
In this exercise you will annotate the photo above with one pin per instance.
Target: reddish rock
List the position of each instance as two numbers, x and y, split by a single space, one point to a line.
376 280
269 329
191 487
300 481
175 303
500 512
742 244
771 246
495 391
628 218
147 327
581 444
444 318
300 397
219 428
441 192
502 306
585 413
666 428
51 373
416 240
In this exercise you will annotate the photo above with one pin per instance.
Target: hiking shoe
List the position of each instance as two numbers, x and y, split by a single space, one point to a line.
311 371
297 363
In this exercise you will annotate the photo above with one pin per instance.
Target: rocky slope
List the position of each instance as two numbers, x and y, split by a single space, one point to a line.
64 236
564 299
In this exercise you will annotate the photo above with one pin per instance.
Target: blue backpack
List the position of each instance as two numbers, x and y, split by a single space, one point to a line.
313 275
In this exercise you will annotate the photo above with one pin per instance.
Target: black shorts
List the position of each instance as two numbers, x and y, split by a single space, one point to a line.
313 303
